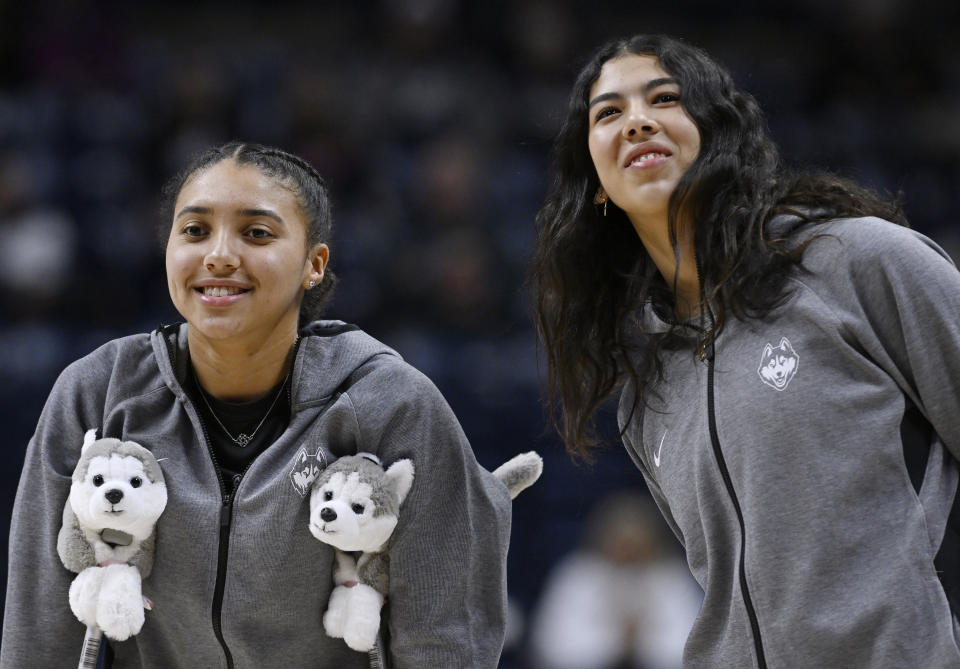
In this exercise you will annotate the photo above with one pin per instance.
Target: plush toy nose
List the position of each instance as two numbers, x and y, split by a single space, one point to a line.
113 496
328 514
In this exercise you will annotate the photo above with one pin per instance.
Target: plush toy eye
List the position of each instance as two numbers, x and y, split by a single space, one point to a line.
327 495
357 508
98 480
136 482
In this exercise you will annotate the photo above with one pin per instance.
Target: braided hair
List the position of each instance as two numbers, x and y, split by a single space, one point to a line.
293 171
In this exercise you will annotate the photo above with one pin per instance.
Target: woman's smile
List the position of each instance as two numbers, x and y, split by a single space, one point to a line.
220 293
646 156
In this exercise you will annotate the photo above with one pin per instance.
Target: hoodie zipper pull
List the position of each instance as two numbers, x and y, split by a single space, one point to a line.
226 511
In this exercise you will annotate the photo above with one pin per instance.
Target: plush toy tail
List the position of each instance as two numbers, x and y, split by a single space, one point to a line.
520 472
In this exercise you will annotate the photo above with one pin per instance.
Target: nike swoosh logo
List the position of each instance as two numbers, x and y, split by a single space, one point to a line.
656 456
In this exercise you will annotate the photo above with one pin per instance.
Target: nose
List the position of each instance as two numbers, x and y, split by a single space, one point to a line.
113 496
639 123
221 255
328 514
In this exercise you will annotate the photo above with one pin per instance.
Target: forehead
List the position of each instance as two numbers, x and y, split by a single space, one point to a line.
623 74
232 185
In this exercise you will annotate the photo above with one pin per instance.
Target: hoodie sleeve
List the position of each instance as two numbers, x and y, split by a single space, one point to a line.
898 294
447 601
39 630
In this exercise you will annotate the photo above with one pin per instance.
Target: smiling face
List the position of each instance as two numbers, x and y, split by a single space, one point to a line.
237 260
640 138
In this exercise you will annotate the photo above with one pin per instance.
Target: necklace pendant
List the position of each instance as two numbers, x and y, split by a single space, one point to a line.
242 440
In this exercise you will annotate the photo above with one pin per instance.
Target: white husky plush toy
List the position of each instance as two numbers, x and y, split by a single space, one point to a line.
354 507
108 534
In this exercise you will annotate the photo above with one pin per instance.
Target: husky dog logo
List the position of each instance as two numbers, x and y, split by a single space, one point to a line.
306 469
778 364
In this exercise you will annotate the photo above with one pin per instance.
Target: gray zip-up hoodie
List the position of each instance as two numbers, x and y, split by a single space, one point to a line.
247 570
809 465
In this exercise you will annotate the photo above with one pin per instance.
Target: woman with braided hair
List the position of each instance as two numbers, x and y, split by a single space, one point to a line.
243 405
786 357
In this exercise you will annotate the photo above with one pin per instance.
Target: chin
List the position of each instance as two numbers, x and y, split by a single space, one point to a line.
218 327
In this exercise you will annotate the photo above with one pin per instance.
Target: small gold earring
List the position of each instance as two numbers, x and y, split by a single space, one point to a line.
601 197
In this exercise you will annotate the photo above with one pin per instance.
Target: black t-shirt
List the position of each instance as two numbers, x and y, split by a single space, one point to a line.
240 418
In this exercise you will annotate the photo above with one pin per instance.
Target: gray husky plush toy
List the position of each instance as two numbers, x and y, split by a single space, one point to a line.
108 536
354 507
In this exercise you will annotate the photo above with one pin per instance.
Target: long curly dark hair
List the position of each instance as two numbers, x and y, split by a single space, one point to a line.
589 273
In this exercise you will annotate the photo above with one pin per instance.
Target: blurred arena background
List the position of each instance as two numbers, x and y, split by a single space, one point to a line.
431 120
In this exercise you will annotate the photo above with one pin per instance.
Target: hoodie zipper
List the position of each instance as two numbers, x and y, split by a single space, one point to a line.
226 523
226 512
226 520
707 351
226 517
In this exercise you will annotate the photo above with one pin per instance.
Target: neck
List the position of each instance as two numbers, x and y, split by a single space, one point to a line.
683 278
238 372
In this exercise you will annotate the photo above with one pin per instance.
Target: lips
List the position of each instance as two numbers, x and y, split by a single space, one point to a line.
645 154
220 288
220 292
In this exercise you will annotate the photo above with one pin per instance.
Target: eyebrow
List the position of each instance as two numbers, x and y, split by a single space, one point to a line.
646 88
252 213
193 210
247 213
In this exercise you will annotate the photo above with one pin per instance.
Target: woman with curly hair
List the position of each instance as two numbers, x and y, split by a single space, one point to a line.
786 353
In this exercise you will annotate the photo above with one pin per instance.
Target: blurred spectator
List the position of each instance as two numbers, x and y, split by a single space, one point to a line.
623 600
37 255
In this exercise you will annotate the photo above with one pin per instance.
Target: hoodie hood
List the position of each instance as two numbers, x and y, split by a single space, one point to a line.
334 350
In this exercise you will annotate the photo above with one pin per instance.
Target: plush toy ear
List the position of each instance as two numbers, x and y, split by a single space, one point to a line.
400 476
89 438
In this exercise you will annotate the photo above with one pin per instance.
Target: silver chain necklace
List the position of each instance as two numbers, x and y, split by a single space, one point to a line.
243 439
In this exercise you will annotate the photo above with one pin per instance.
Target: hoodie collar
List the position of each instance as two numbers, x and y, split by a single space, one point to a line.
652 322
328 354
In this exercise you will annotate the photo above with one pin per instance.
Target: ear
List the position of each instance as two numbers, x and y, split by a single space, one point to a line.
785 345
767 351
317 258
400 476
88 438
